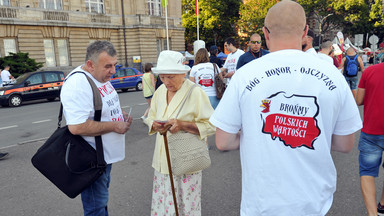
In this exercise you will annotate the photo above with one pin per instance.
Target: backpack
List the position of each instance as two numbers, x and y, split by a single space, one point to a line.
352 67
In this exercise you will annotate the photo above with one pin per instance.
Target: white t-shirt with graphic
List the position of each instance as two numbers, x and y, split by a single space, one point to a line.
204 76
287 105
231 62
77 99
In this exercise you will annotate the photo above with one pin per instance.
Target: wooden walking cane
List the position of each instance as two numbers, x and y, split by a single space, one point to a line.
164 133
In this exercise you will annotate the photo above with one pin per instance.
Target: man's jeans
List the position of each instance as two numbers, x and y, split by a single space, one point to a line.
95 197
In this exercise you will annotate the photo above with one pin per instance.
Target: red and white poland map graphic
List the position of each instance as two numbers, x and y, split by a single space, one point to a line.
291 118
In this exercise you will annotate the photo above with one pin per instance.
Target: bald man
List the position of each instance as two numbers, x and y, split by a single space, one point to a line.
285 112
255 51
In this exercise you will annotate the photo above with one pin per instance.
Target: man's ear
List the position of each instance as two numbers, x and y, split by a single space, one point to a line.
266 33
90 65
305 32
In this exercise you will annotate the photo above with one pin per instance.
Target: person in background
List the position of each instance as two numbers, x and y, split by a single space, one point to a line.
364 57
335 62
1 81
149 85
255 51
213 50
193 118
78 108
286 161
324 53
6 76
351 80
371 59
371 144
380 56
230 64
203 74
307 45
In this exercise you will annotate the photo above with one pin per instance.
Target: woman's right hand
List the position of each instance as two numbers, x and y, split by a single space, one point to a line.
159 127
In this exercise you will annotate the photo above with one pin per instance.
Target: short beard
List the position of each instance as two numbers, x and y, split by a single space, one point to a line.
303 47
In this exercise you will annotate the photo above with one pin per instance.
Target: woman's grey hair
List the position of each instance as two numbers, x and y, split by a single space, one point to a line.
97 47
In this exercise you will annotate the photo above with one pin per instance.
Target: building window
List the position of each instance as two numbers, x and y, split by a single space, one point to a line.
162 44
63 52
50 4
49 50
5 3
9 46
154 7
94 6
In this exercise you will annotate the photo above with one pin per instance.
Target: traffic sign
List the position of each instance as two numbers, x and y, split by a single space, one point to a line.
373 39
359 39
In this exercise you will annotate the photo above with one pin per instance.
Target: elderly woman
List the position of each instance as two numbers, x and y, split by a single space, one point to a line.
203 74
193 119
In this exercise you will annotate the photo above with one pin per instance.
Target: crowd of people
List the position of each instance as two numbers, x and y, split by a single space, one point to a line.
286 107
262 102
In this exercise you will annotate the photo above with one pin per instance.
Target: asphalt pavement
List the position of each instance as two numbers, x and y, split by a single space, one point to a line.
24 191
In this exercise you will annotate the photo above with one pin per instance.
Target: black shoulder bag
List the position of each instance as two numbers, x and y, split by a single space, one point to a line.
67 160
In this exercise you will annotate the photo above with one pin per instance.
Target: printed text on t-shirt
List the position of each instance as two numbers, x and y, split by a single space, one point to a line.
106 89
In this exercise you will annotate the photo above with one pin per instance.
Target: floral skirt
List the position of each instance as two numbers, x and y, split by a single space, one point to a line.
187 190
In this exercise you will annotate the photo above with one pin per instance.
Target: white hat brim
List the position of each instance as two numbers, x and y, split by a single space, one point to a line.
184 70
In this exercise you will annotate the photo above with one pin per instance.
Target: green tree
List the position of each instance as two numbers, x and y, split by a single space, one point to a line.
20 63
217 20
350 16
376 17
252 15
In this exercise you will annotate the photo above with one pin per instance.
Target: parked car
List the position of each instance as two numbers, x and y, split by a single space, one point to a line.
32 86
126 78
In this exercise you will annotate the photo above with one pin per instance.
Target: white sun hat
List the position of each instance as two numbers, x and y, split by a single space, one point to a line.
170 62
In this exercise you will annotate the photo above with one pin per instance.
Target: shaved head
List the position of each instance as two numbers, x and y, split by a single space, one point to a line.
285 18
351 51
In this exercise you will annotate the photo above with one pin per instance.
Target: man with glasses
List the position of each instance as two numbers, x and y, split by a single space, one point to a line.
229 67
254 52
285 112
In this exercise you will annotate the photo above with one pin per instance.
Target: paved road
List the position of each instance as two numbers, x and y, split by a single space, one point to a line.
24 191
34 120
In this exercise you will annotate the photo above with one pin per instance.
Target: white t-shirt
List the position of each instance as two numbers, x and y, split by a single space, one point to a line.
365 58
77 99
325 57
287 105
5 76
311 51
231 62
204 76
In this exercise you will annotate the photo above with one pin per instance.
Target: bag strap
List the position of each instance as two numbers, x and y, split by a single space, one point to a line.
186 98
98 105
215 69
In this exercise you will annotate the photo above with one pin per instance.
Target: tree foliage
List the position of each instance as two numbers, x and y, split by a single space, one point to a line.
217 19
20 63
222 18
252 16
376 15
350 16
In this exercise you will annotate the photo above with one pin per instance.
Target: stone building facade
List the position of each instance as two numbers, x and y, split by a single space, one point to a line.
57 32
